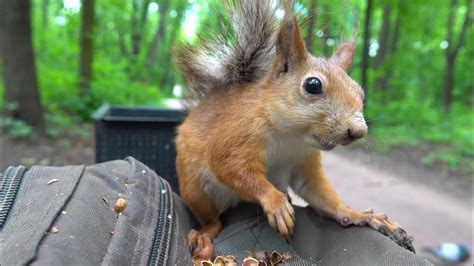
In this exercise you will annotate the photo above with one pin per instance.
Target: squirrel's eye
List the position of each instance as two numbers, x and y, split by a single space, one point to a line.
313 86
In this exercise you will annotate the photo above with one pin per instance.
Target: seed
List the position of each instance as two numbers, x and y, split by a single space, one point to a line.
52 181
120 205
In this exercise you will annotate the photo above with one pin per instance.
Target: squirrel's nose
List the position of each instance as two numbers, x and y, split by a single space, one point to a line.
357 126
357 132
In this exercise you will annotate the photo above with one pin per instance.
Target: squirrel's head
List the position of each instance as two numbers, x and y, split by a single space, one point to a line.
316 99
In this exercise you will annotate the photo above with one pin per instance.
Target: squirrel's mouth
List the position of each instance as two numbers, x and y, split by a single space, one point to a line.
324 144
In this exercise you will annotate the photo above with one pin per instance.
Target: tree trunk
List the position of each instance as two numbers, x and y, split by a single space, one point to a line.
138 26
396 34
168 75
453 50
44 13
134 29
144 14
383 35
18 58
159 34
384 82
122 44
448 82
311 26
381 81
326 35
86 46
365 50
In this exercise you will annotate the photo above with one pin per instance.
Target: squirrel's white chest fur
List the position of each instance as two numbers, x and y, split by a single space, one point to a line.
283 154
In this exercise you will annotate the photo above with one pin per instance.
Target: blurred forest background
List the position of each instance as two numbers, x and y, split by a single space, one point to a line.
62 59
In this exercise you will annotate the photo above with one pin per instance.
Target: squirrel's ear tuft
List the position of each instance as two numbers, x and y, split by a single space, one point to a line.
343 55
290 47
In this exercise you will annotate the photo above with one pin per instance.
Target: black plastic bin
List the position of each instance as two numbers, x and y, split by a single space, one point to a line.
144 133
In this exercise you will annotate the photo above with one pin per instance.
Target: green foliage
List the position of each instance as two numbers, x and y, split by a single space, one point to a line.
415 121
407 109
111 78
117 78
16 128
404 109
13 127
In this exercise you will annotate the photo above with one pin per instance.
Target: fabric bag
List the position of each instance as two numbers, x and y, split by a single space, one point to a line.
72 215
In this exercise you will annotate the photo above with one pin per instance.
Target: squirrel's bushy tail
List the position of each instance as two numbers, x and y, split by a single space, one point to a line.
226 58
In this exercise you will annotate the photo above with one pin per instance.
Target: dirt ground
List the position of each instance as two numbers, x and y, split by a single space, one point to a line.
430 206
406 163
47 151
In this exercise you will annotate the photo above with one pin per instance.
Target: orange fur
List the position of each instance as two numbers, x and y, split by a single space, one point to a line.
251 140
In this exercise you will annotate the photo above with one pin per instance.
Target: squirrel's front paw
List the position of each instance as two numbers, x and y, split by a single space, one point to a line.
379 222
280 213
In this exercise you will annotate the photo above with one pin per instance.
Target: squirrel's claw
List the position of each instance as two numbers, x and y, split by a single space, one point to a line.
379 222
280 214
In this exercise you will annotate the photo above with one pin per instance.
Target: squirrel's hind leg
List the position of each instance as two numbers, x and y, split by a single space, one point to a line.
198 201
204 208
200 242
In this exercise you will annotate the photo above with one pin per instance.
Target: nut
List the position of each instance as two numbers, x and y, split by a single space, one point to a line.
120 205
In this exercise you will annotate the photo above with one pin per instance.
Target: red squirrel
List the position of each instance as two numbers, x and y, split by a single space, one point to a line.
267 108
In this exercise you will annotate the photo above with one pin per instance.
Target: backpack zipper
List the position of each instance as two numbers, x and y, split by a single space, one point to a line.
161 240
10 182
